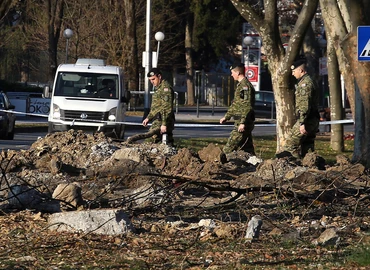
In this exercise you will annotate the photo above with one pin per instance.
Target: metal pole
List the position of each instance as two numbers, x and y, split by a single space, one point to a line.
197 85
259 64
247 61
158 53
148 62
177 103
67 50
213 100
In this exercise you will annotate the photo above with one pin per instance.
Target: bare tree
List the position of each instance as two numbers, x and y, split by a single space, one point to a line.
189 59
265 19
342 19
54 11
130 50
336 108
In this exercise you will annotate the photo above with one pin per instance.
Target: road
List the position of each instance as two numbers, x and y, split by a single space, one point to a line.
23 140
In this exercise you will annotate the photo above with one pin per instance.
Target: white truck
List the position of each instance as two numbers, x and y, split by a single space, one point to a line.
88 95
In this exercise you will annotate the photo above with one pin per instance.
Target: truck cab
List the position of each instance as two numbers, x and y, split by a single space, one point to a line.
88 95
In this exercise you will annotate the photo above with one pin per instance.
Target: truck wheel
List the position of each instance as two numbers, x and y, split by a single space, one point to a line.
50 128
10 135
4 135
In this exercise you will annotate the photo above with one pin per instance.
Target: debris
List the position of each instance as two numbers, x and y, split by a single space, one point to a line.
254 227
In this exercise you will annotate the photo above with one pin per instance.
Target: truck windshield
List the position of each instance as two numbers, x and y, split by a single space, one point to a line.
91 85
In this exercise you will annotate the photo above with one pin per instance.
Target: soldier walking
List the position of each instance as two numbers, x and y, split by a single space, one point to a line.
241 110
301 138
161 111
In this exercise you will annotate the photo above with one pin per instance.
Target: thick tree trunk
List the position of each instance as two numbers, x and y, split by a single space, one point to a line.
131 48
349 44
363 82
189 61
279 60
344 34
330 14
336 107
54 10
349 79
285 117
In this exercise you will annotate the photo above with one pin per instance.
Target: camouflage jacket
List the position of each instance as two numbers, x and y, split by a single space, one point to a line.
162 103
242 107
306 99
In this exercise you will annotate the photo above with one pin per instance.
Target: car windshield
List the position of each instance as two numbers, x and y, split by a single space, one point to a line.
90 85
264 96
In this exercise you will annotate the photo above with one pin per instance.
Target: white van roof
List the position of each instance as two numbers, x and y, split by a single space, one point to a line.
91 62
90 65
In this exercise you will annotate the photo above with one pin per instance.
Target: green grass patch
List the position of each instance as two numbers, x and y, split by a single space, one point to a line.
265 146
360 256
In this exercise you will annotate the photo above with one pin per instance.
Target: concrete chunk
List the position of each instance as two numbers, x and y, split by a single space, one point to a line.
107 222
254 227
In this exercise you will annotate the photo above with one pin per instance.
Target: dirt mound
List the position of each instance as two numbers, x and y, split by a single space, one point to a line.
77 156
168 192
108 170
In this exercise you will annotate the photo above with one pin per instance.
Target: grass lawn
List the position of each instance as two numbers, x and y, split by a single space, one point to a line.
265 146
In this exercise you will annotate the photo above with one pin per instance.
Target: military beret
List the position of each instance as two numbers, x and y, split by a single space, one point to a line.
235 65
153 72
300 61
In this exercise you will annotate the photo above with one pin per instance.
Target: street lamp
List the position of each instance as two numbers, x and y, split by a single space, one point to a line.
159 36
248 41
147 59
68 33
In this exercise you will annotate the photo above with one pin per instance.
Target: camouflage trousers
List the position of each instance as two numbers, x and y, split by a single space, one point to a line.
240 140
154 133
157 137
298 144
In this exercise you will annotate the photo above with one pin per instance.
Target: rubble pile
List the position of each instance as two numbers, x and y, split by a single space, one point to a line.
163 190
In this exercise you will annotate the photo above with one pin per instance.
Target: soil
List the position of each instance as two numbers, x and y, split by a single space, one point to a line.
297 201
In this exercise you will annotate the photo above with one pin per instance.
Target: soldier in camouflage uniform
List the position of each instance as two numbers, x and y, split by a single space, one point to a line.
161 112
302 136
241 110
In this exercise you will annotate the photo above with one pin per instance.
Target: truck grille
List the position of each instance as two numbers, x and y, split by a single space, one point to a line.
83 115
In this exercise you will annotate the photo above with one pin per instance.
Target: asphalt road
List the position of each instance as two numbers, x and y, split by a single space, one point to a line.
24 137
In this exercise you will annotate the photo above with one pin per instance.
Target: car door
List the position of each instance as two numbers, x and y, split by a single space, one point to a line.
264 104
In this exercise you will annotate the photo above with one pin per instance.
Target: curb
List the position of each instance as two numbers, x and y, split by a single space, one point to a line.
27 128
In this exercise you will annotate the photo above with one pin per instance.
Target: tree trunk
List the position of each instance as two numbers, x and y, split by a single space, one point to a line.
360 138
189 60
279 60
363 82
362 78
336 107
131 48
54 10
344 33
285 116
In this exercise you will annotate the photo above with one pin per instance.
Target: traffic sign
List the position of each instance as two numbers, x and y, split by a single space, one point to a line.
251 73
363 43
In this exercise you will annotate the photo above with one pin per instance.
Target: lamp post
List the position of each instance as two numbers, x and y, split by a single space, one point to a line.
68 33
147 57
159 36
248 41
